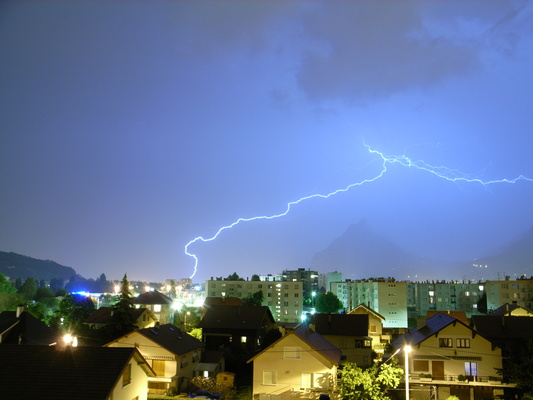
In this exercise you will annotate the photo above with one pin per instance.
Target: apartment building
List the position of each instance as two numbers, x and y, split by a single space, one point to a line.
518 292
385 296
324 280
284 298
308 278
443 296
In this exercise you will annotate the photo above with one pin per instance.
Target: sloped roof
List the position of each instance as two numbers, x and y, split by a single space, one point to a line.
319 343
459 315
236 317
366 309
152 297
507 309
314 340
104 315
502 328
433 325
172 338
25 329
341 324
83 373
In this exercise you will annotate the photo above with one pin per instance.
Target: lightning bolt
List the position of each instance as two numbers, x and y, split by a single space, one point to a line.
439 171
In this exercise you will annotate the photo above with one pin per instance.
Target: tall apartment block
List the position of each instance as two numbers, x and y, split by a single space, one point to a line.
324 280
308 278
519 292
385 296
442 296
284 298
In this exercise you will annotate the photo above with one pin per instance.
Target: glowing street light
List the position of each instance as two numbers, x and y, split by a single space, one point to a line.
185 323
406 350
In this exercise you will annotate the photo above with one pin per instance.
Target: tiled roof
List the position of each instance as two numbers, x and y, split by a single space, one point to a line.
236 317
317 342
152 297
82 373
507 309
498 328
25 329
459 315
314 340
341 324
418 335
366 309
172 339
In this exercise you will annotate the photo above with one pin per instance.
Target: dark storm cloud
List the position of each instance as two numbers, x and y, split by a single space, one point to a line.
374 49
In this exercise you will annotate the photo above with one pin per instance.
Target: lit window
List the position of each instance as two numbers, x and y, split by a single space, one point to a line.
464 343
445 342
157 307
243 339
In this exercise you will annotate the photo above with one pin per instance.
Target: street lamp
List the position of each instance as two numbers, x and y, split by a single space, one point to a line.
406 350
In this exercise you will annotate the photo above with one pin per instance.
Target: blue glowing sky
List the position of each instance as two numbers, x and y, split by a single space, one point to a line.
128 129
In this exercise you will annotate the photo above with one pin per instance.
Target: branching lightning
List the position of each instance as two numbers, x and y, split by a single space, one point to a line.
402 160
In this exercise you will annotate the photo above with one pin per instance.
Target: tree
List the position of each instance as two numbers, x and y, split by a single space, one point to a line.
518 364
28 289
43 292
5 285
255 299
255 278
74 309
482 303
234 277
123 320
371 383
327 303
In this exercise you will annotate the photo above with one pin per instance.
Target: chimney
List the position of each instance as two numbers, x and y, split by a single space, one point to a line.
156 325
20 309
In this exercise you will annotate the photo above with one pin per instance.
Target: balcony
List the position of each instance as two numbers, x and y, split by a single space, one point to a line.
459 380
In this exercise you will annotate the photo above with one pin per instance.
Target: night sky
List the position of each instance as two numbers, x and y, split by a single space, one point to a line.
129 128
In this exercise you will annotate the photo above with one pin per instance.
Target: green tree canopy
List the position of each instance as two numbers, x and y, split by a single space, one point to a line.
327 303
371 383
5 285
255 299
518 364
74 309
28 289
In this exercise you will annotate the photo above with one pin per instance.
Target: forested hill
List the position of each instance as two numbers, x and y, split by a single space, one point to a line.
15 266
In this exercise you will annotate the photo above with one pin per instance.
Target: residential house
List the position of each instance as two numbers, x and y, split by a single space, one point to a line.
375 327
143 317
458 359
512 310
172 354
65 373
158 303
241 328
300 364
349 333
20 327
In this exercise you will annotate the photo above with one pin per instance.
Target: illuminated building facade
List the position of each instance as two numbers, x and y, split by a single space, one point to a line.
518 292
283 298
385 296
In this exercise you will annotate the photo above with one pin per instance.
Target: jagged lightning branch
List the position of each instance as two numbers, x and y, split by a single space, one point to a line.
440 172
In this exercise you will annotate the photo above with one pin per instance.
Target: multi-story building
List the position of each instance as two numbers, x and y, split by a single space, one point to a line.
385 296
308 278
442 296
283 298
518 292
324 280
